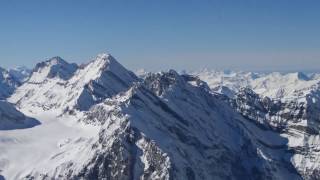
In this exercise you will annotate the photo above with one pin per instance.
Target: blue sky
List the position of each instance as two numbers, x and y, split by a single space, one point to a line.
279 35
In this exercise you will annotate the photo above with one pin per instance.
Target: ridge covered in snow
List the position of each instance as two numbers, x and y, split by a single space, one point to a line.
58 85
54 67
101 121
274 85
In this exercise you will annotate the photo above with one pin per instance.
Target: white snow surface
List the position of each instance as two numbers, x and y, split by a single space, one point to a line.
23 150
274 85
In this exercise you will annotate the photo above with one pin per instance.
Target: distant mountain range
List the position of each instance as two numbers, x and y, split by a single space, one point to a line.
102 121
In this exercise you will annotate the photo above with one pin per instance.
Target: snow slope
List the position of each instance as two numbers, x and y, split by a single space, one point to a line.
23 150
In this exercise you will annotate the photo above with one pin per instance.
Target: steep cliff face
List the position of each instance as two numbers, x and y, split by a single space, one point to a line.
284 103
295 119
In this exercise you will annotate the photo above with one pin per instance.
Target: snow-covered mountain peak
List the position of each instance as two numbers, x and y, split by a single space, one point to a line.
165 75
54 67
164 82
56 84
108 62
300 76
20 73
103 67
274 85
104 60
56 60
101 78
288 77
8 83
293 76
277 85
103 55
161 82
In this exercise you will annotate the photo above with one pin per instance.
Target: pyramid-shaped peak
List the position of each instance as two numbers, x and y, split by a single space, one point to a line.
106 59
56 60
105 62
102 78
104 55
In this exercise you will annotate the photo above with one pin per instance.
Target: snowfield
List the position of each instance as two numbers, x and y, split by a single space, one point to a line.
23 150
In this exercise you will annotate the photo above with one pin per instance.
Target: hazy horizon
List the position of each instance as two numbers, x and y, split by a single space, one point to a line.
178 69
154 35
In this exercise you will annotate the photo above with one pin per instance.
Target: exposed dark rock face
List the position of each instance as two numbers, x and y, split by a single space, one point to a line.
293 118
